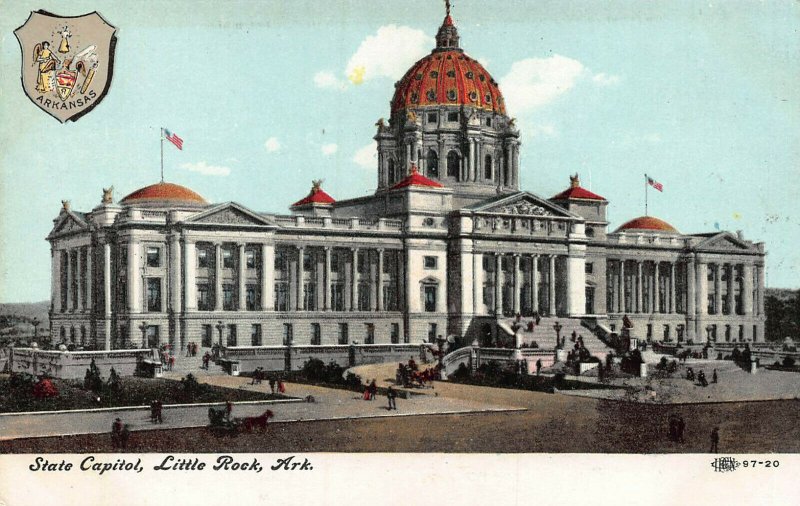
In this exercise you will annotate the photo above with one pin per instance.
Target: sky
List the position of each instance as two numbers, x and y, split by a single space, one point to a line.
701 96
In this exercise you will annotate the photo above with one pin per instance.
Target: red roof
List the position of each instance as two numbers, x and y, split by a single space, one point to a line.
647 223
166 192
316 196
416 179
577 193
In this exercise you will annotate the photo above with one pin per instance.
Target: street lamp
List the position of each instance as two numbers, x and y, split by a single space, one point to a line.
557 327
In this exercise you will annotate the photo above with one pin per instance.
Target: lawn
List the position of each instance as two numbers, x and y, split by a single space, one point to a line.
132 391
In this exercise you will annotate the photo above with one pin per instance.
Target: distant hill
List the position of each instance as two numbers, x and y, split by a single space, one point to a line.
17 318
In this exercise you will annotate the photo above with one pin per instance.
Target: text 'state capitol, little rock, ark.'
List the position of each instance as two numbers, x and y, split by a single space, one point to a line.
448 245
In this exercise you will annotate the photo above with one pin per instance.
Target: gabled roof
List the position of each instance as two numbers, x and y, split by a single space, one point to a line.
414 178
229 213
68 221
576 191
721 240
316 196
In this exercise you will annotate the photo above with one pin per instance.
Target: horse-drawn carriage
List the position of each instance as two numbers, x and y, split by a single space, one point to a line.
222 423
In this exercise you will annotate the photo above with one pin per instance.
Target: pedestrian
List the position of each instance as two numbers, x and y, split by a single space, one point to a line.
116 430
715 440
272 383
714 377
701 378
158 408
538 367
391 395
153 411
673 427
538 317
373 389
171 361
228 409
124 436
281 386
681 428
366 393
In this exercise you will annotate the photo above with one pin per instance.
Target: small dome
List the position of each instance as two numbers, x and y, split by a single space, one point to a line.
647 224
576 191
414 178
316 196
164 194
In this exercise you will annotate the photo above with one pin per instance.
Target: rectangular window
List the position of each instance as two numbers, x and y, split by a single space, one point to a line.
369 337
431 332
228 299
255 335
395 333
309 297
429 262
153 256
364 302
281 261
203 297
207 336
741 333
452 117
429 302
152 336
363 261
250 258
227 257
649 331
433 117
154 294
337 297
253 297
231 335
589 268
316 334
203 257
309 262
488 122
390 297
488 295
288 334
335 261
343 333
281 297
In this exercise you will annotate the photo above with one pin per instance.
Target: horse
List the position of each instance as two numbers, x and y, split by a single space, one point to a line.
259 421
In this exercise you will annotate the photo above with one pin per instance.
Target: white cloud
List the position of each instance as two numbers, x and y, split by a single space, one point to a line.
389 52
367 156
272 145
326 79
534 82
206 169
603 79
542 131
329 149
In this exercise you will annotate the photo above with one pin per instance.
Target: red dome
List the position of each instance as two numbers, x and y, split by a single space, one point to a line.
416 179
316 196
448 77
647 223
164 193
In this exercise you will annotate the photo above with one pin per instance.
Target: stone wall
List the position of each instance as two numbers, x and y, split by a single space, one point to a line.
73 364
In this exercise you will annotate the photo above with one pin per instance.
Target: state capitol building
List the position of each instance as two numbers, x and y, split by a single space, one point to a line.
448 245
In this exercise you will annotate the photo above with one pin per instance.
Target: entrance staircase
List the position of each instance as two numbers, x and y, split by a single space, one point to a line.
545 335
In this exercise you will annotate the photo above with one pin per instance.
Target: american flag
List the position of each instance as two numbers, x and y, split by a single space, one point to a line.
655 184
173 138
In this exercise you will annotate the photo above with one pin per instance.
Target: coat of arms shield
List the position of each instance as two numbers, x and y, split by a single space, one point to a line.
67 62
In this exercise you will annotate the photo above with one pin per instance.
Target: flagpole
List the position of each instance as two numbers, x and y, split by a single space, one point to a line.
162 154
645 194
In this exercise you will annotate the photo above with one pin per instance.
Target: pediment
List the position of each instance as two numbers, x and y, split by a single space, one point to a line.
68 223
522 204
723 241
230 214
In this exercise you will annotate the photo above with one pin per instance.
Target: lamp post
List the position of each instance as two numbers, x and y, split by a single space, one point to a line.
35 322
220 328
557 327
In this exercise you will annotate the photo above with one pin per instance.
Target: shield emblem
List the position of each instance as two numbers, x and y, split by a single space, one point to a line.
67 62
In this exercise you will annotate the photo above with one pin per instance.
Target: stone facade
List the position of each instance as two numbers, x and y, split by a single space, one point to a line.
453 248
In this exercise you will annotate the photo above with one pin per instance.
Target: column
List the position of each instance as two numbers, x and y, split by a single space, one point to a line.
479 160
691 296
241 278
190 283
78 280
508 177
760 289
656 288
300 281
639 298
354 280
107 295
88 280
621 299
69 281
576 280
747 289
267 277
379 290
717 288
552 286
672 298
517 285
731 291
217 277
701 302
55 280
326 303
134 279
175 273
498 284
373 282
535 283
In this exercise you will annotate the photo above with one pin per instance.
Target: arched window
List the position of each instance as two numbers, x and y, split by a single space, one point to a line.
390 171
453 164
487 167
433 164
